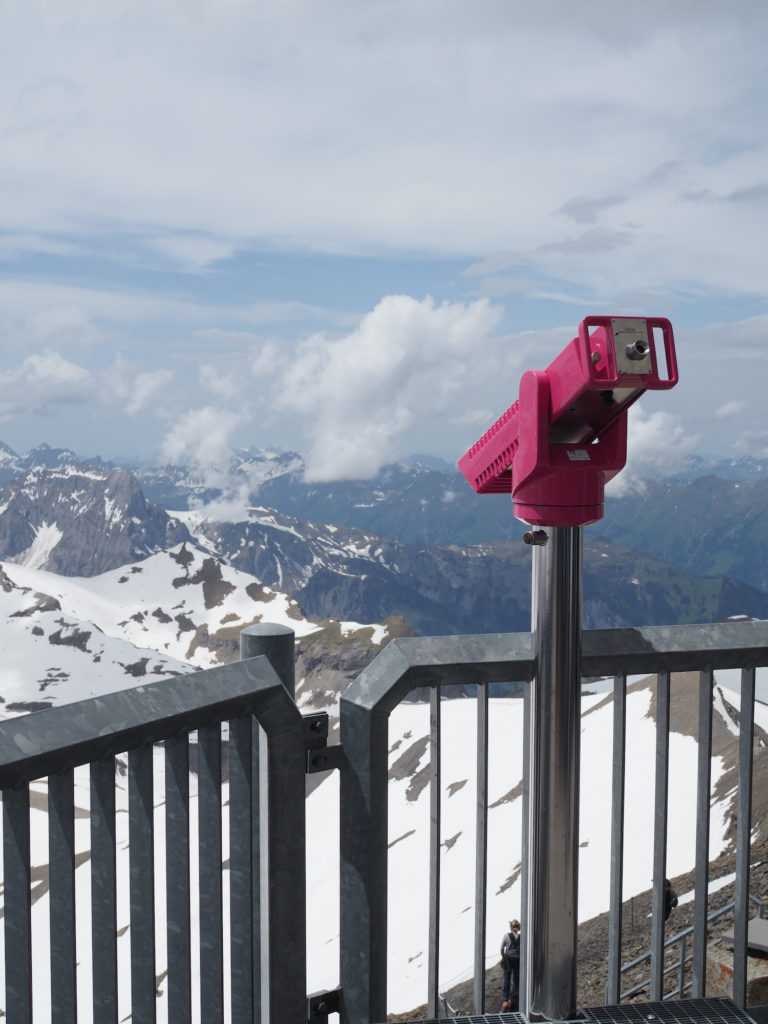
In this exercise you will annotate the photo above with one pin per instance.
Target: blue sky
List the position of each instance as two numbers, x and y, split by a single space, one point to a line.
348 228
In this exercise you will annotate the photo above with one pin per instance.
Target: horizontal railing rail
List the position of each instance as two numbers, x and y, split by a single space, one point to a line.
680 939
94 732
495 658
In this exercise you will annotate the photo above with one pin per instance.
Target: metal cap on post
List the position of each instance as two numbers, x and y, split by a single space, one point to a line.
275 642
554 450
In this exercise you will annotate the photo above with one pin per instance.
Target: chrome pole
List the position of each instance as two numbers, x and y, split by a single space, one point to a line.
553 776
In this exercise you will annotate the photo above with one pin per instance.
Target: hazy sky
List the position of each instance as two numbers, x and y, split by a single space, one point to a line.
348 227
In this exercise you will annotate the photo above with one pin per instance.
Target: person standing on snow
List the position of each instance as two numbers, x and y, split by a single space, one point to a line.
510 964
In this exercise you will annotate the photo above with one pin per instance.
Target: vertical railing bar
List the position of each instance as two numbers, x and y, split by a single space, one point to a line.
681 976
481 846
743 836
613 989
18 906
285 941
177 878
243 861
210 835
142 884
434 851
522 994
660 835
701 878
61 864
104 891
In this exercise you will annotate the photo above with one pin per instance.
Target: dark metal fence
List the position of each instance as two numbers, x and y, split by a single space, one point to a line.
266 938
53 743
480 661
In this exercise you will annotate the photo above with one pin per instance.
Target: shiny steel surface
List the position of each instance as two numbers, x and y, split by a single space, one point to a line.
553 777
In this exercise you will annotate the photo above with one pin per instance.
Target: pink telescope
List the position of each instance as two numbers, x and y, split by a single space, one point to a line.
566 435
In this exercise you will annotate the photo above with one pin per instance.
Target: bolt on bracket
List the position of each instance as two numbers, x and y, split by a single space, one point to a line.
320 1004
320 756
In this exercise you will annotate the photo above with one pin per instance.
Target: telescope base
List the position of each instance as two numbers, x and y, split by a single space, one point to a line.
558 515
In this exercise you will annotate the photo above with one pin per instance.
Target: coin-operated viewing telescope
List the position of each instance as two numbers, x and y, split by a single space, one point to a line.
553 451
566 435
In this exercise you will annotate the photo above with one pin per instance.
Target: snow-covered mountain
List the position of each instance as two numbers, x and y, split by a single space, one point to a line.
81 519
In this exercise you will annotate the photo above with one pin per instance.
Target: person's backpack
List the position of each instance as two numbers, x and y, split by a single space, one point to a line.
511 953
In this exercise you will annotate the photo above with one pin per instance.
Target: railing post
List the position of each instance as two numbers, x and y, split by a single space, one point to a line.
553 777
276 642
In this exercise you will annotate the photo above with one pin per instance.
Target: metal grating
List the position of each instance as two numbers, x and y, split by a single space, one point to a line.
684 1011
487 1018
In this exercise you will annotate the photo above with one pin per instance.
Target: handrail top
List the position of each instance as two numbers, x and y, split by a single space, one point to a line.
57 738
408 662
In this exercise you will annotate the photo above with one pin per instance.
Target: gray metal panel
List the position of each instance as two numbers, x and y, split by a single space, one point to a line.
61 862
210 835
433 954
675 648
486 1018
46 742
743 835
481 847
613 988
103 891
363 912
18 906
243 871
701 883
142 884
684 1011
177 878
660 835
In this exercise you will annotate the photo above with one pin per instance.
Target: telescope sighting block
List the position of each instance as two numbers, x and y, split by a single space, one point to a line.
565 437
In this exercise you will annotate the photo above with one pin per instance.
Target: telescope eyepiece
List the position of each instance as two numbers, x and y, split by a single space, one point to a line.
637 349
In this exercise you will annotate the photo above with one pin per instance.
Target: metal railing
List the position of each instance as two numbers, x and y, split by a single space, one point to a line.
481 661
684 958
265 944
266 914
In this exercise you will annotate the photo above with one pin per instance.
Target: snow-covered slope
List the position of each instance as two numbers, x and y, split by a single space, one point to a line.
51 655
181 603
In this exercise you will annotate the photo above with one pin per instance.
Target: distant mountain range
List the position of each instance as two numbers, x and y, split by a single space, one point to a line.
84 519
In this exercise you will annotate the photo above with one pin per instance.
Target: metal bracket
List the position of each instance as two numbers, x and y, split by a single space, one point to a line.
320 757
320 1004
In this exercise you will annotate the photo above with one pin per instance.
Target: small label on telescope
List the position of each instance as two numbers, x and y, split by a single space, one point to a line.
578 455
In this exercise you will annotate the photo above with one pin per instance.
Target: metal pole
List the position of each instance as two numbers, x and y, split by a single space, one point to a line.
277 643
553 776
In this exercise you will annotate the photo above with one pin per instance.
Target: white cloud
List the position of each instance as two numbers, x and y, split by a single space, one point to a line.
42 384
657 445
202 439
361 394
192 252
729 409
375 127
146 386
219 384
